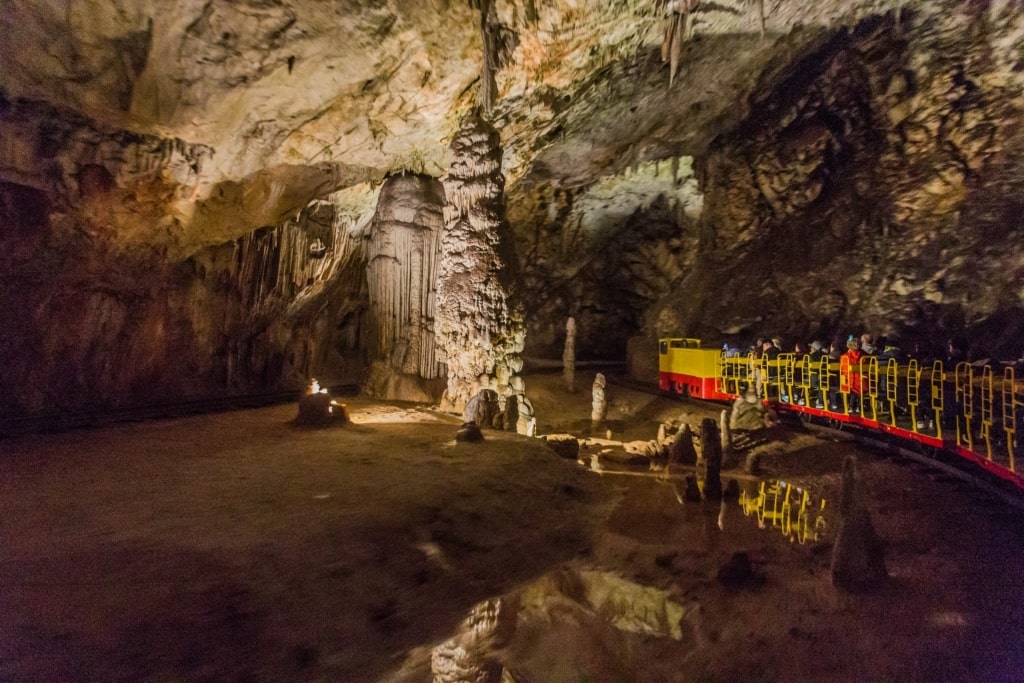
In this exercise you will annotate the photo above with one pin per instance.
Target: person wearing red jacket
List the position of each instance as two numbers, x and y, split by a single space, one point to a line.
849 372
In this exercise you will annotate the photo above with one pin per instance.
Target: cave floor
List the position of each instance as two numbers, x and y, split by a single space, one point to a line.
239 547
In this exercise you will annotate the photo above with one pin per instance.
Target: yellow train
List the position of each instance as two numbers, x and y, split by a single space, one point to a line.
688 369
970 410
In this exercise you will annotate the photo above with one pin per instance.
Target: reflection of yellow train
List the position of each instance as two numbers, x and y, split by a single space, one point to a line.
788 508
973 411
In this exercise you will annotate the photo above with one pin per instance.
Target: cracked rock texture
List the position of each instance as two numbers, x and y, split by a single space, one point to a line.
878 188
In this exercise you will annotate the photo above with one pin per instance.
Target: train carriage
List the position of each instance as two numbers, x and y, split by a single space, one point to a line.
971 411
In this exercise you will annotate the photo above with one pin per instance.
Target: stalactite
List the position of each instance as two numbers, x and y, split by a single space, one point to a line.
498 44
488 84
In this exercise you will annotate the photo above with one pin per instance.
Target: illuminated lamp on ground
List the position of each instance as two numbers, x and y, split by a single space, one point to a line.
318 409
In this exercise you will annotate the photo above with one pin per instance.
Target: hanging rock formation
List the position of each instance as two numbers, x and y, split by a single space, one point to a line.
479 320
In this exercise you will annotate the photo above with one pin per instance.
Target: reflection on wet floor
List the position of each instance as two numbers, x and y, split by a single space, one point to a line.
786 507
568 622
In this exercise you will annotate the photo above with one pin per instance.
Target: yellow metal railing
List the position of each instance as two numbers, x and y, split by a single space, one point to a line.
891 388
869 388
785 375
1010 405
987 396
936 381
804 383
983 404
963 378
913 391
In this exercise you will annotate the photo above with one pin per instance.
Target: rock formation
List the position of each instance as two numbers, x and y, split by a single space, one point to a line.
569 355
478 324
471 654
711 458
402 257
167 169
748 413
884 166
858 554
599 403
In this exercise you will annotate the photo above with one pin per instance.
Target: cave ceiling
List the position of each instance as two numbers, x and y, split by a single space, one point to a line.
293 99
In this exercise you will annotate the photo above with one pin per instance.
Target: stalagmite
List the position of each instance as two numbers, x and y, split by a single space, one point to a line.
402 259
478 322
711 451
726 432
682 450
599 407
858 556
569 356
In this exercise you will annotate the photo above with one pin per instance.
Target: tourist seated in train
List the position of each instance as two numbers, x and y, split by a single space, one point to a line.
954 354
835 349
816 354
758 348
799 356
817 351
731 350
849 374
867 344
891 349
952 406
770 352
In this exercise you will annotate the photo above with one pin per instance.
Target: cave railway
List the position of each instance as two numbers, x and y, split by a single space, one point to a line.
968 414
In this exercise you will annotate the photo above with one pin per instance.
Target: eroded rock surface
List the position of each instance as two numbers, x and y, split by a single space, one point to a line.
812 167
479 319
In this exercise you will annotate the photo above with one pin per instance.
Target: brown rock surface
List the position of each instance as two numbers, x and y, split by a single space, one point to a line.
814 167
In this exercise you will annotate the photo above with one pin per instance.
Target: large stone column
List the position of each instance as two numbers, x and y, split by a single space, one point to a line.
401 270
479 322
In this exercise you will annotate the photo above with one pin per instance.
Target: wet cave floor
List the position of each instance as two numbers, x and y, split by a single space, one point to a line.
240 547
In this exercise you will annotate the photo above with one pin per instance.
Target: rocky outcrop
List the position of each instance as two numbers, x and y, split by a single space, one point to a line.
604 254
98 328
479 319
875 189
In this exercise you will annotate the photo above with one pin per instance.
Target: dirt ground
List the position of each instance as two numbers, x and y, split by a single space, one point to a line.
239 547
